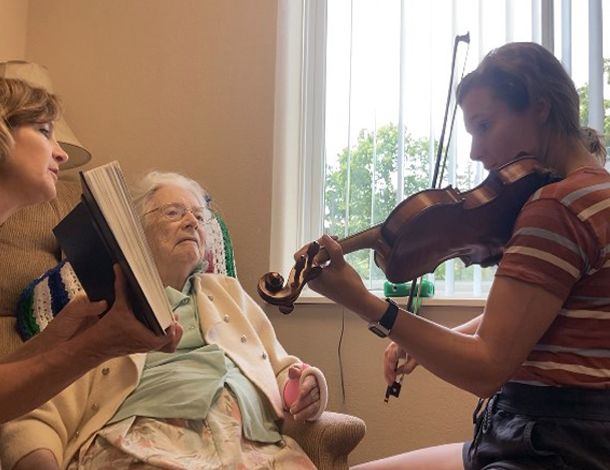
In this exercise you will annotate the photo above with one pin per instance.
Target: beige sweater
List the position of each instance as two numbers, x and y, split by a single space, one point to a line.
228 317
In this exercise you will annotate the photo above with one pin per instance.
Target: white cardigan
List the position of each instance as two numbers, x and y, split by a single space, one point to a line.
228 317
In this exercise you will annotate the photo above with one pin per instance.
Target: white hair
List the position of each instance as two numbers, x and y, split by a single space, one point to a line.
151 182
146 187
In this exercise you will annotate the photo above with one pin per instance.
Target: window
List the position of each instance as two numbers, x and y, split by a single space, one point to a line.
361 95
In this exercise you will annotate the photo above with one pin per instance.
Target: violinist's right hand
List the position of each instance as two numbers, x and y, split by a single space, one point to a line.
394 353
338 280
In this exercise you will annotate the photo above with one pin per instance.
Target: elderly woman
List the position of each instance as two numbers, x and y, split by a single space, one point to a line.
214 403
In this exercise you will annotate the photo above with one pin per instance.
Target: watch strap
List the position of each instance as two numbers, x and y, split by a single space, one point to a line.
384 325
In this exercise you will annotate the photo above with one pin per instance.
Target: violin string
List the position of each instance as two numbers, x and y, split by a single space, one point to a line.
360 232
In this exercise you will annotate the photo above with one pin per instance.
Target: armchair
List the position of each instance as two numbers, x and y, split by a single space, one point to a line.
28 248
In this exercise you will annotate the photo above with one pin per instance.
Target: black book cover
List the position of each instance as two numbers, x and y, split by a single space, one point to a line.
92 249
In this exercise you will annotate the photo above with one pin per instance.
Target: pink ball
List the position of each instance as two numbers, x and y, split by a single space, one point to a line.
291 389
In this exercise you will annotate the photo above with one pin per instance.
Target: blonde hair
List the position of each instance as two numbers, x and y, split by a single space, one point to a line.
21 104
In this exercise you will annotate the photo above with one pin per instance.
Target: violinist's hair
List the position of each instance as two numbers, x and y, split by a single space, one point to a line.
21 104
595 143
520 74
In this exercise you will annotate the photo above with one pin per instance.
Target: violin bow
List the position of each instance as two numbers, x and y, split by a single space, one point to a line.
436 179
441 161
439 167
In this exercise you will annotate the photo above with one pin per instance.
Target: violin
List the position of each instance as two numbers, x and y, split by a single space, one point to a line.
428 228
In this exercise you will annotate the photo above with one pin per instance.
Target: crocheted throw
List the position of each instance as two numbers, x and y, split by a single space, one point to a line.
44 297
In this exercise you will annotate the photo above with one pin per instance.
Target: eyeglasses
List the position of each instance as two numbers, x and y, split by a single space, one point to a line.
176 211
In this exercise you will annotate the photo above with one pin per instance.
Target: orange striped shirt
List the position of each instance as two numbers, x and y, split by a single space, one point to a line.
561 242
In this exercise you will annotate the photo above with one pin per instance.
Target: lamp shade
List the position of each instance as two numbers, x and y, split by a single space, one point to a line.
38 76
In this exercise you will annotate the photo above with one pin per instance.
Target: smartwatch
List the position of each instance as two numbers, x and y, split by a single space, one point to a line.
383 327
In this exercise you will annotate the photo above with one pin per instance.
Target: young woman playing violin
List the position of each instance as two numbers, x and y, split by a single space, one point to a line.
540 352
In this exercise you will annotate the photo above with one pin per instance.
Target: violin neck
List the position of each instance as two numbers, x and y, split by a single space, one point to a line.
368 238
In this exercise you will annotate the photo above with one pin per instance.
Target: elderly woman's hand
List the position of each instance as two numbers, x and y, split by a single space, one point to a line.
307 402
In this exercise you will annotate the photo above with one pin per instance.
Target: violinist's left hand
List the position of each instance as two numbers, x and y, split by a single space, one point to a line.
338 280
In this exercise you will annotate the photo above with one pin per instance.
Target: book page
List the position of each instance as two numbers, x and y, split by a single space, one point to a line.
107 186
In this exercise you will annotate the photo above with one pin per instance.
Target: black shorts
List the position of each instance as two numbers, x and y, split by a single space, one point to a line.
530 427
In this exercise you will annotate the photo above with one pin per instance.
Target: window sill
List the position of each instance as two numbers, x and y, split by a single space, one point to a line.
313 299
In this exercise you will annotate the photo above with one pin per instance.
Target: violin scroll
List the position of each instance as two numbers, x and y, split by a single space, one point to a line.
273 282
271 286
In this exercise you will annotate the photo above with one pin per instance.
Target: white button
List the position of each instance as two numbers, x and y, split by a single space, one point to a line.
226 318
191 327
243 339
95 407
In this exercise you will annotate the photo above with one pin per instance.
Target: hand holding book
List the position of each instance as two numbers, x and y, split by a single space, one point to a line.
117 333
104 229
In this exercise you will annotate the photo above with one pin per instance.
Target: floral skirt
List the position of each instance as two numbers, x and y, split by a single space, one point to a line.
216 442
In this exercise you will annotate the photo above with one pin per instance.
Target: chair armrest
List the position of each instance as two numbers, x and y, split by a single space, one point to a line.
328 440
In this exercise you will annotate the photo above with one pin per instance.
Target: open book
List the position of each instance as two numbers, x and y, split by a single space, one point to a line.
104 229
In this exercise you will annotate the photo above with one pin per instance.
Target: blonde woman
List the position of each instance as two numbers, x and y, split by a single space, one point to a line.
30 159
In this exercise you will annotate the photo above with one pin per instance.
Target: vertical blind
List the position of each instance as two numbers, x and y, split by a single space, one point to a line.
375 77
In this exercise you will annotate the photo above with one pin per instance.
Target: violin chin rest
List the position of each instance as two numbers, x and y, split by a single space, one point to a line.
492 259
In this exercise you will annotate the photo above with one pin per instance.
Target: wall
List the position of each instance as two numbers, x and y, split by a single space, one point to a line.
13 27
185 86
189 86
428 411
